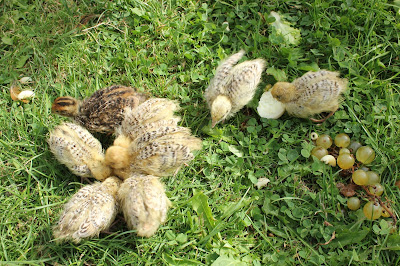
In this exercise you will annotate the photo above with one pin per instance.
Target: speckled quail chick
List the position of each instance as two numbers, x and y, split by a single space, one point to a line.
91 210
151 142
143 203
313 93
233 86
75 147
101 112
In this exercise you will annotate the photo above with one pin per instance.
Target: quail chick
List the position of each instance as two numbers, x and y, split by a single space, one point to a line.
313 93
152 110
233 86
143 203
91 210
75 147
151 143
102 111
160 152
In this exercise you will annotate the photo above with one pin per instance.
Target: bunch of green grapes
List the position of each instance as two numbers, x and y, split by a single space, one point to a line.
343 152
347 149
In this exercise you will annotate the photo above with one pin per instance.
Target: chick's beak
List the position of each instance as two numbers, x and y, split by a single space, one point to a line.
213 124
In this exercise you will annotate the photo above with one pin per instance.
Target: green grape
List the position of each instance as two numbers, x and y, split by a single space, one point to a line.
342 140
372 210
329 159
354 145
344 150
360 177
345 161
353 203
365 154
324 141
373 178
386 213
319 152
376 189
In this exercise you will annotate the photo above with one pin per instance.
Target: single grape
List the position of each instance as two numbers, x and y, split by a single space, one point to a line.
366 169
344 150
324 141
329 159
360 177
373 178
372 210
319 152
353 203
386 213
314 135
345 161
376 189
354 145
342 140
365 154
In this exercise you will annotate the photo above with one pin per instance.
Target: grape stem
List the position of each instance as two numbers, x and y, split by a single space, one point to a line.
381 203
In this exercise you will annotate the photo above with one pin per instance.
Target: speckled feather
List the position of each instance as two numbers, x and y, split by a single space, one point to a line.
143 203
103 111
233 86
142 129
316 92
91 210
216 86
75 147
150 142
161 159
241 85
152 110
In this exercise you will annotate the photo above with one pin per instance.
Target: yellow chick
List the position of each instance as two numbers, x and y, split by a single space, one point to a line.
101 112
91 210
313 93
75 147
143 203
233 86
150 141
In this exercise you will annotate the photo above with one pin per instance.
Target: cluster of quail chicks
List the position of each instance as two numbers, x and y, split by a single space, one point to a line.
149 144
234 86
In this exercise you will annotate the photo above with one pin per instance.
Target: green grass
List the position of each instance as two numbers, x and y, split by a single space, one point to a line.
171 48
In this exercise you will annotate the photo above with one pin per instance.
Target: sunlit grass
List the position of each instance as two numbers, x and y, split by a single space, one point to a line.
170 49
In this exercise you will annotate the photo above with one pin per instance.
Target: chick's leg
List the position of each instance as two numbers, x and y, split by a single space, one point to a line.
323 119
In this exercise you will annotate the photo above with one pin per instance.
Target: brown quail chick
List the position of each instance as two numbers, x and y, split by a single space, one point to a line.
233 86
143 203
75 147
101 112
313 93
151 142
91 210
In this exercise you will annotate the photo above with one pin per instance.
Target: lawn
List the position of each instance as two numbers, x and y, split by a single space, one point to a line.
171 49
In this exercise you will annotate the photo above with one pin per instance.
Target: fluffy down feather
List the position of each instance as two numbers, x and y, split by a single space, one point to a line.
233 86
143 203
103 111
75 147
313 93
91 210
